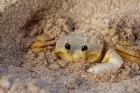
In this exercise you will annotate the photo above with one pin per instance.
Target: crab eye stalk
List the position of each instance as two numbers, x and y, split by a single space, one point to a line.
84 48
67 46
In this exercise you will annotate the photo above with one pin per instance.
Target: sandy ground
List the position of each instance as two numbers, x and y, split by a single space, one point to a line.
28 72
5 4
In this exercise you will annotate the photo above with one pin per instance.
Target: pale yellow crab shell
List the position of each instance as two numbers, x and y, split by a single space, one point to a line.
75 53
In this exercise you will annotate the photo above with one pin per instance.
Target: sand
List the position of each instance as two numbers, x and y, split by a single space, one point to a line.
23 70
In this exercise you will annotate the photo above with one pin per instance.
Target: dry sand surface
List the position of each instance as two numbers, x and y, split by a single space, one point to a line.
23 71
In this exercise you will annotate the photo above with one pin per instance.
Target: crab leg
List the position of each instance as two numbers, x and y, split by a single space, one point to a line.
111 62
125 50
130 57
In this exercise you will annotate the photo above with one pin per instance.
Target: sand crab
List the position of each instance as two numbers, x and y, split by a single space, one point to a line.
76 47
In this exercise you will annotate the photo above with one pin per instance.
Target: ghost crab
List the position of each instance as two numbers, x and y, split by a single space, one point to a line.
76 47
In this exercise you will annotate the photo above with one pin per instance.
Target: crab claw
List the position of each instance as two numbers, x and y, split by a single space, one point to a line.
111 62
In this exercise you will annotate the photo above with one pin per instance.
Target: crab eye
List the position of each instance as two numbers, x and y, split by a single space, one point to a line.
67 46
84 48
